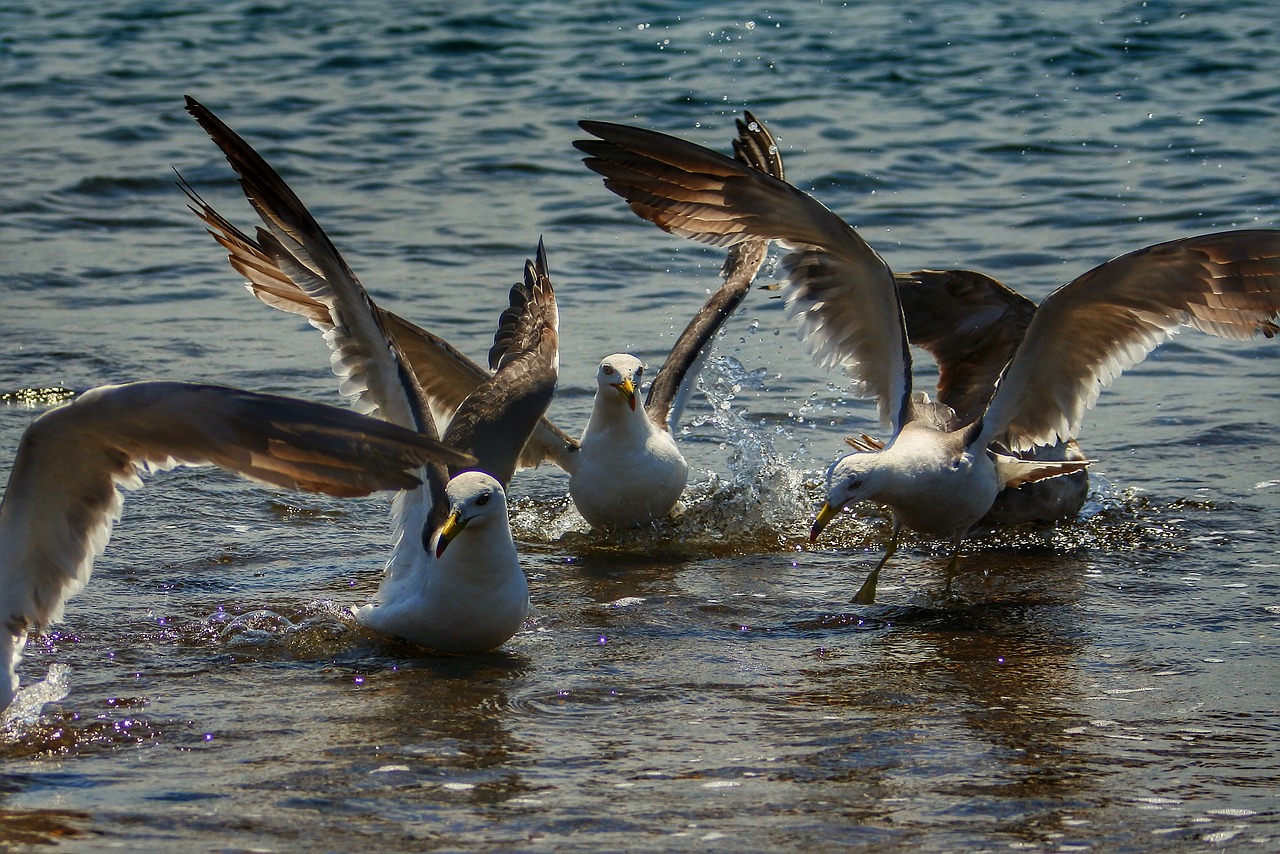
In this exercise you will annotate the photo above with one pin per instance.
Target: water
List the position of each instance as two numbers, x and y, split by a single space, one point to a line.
1110 685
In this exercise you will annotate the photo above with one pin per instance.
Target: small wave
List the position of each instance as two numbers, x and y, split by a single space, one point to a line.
122 187
322 629
589 701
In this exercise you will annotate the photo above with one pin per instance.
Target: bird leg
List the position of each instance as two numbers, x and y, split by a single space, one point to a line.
866 594
952 564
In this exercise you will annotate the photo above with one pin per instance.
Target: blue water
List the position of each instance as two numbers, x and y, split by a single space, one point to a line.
1110 685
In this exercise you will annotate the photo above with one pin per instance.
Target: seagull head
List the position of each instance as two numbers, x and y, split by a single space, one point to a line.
476 499
850 479
620 373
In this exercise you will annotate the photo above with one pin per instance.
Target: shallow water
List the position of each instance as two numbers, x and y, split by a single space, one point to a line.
1108 685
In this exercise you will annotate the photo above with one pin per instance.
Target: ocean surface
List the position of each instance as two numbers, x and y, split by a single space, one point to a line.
1110 684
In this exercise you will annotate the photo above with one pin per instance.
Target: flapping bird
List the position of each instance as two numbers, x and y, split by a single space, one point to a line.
63 495
454 581
971 324
626 469
937 480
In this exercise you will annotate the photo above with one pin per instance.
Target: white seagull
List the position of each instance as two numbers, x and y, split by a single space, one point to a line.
938 480
972 324
626 469
474 596
63 495
454 581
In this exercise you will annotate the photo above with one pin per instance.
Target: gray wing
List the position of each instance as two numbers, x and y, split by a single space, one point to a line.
444 374
836 286
62 498
754 146
1086 333
371 367
496 420
263 276
971 324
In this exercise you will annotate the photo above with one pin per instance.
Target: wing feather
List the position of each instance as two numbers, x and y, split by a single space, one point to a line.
497 418
971 324
838 289
444 375
365 353
62 498
755 147
1088 332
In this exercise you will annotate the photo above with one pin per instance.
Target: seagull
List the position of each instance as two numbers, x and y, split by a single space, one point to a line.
626 469
453 582
937 479
474 596
971 324
63 495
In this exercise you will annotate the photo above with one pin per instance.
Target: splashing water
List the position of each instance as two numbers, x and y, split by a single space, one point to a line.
30 701
765 497
760 504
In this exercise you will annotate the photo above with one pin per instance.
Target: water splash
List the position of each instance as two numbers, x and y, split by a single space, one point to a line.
759 504
765 497
321 628
30 701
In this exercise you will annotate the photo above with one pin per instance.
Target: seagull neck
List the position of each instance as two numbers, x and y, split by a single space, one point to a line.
482 555
611 414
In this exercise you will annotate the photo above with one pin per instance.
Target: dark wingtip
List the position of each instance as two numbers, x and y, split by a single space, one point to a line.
540 258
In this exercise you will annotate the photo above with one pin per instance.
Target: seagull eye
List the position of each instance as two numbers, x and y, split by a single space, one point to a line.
639 370
483 499
608 371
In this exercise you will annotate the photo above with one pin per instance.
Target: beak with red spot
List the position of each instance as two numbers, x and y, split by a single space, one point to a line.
627 388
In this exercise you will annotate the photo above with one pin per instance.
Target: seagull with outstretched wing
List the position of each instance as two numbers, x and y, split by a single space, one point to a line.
454 581
626 468
937 480
64 494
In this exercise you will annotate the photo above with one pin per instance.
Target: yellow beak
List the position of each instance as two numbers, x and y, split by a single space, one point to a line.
825 514
627 388
450 529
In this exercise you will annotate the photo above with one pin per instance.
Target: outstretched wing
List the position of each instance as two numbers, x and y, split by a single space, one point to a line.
496 420
838 288
445 376
367 360
1086 333
754 146
363 355
971 325
62 499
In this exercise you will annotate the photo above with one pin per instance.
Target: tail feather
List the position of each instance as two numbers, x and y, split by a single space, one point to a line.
1014 472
